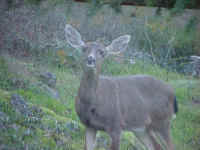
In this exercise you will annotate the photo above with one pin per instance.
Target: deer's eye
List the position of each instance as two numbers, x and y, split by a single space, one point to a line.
84 49
101 52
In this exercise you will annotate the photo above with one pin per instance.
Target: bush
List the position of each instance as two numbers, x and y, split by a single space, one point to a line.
167 45
5 75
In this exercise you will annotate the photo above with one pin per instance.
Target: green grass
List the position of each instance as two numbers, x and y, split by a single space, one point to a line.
186 131
40 99
111 67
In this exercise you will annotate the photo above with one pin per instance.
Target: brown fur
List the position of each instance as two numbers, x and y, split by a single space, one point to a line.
113 104
139 103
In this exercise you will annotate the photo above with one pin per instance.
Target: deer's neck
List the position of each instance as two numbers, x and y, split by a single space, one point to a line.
88 86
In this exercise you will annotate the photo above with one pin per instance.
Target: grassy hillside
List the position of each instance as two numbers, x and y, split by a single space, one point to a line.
49 123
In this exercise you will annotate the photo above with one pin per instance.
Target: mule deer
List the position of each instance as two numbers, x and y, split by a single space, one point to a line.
137 103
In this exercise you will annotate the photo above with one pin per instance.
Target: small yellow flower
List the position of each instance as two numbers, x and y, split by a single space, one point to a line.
61 56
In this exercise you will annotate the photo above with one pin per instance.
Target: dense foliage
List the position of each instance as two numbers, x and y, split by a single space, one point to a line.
116 4
177 5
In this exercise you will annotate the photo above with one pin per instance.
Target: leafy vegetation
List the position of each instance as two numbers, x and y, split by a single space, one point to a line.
164 44
177 6
5 75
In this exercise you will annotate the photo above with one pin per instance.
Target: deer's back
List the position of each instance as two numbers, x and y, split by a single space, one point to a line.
130 99
140 97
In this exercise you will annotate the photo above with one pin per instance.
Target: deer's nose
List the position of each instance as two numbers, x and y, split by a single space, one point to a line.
91 60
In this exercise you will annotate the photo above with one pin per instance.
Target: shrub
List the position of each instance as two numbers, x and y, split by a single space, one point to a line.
167 45
5 75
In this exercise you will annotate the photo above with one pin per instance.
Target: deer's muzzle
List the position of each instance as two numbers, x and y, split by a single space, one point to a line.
91 61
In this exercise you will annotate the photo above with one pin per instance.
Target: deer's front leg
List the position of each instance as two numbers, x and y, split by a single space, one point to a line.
90 138
115 137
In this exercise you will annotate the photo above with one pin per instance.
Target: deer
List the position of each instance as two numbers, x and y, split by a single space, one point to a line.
140 104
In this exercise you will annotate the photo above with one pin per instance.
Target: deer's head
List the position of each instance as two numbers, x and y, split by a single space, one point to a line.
94 52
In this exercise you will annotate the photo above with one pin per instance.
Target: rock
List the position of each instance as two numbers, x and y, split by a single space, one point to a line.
50 91
18 83
49 83
19 104
73 126
32 114
196 65
49 79
3 116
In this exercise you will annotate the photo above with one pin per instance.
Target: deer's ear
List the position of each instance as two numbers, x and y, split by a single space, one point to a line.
73 37
118 45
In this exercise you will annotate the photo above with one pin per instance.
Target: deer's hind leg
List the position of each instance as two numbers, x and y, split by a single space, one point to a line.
164 133
115 138
90 139
146 137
